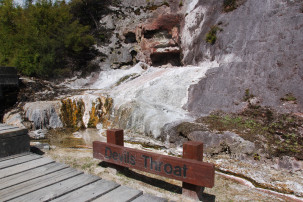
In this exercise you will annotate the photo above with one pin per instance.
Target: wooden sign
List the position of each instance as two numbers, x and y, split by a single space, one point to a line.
187 170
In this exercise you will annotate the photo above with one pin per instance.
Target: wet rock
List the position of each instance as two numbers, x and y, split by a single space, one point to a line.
38 134
14 118
149 102
38 146
43 114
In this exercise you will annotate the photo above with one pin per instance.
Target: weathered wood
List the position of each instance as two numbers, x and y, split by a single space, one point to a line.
43 180
3 128
59 189
115 136
192 150
14 145
89 192
8 76
186 170
11 132
24 167
121 194
31 174
14 156
38 184
19 160
149 198
13 140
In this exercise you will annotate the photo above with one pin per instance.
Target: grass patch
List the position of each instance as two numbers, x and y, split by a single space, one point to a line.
280 132
211 36
288 97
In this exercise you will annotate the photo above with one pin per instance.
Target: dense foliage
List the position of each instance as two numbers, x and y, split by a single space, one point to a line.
44 38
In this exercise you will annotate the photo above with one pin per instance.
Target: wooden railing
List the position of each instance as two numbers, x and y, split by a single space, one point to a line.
190 169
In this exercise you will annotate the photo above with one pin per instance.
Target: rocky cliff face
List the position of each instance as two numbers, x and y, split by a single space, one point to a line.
258 49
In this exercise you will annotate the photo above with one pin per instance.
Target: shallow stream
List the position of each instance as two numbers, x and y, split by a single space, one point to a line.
68 138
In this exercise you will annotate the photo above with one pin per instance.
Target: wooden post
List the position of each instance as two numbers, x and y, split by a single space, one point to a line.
192 150
195 173
115 136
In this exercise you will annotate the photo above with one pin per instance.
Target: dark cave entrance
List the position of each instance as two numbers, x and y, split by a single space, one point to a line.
158 59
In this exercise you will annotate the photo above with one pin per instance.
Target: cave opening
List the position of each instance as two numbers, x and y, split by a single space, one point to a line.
173 58
130 37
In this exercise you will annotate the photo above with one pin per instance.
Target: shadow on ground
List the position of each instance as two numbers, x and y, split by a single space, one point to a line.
153 182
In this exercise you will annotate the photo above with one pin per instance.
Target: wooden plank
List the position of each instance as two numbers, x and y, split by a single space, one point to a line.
59 189
121 194
8 70
186 170
31 174
18 160
8 128
12 132
14 145
149 198
4 126
14 156
89 192
38 184
24 167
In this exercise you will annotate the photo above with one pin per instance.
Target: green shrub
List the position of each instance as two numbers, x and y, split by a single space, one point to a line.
211 36
43 37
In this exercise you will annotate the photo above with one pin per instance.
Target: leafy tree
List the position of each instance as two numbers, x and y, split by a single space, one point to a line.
43 39
89 12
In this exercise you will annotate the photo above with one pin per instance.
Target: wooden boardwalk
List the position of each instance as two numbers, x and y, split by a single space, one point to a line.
13 140
8 78
31 177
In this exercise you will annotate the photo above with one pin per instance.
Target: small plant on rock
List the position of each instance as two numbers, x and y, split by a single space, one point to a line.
247 95
288 97
229 5
257 157
211 36
181 4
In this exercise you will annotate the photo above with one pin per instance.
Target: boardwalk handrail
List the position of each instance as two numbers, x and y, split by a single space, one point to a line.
8 76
